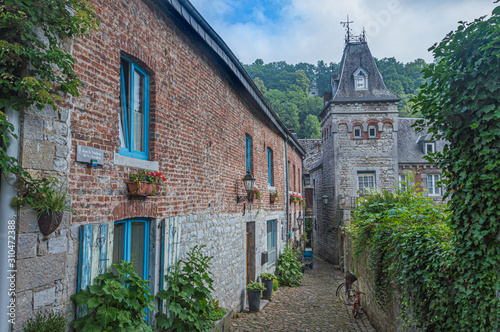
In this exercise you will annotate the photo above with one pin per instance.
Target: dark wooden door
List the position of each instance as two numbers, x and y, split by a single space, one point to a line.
250 252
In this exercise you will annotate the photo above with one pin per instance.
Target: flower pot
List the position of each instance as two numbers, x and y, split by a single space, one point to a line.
253 195
269 288
143 188
254 300
49 221
273 198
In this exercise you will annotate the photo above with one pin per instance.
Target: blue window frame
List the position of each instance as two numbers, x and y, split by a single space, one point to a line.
271 241
270 166
131 243
134 110
248 154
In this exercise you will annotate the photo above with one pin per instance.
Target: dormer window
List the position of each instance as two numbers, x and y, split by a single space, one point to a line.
357 132
360 79
429 148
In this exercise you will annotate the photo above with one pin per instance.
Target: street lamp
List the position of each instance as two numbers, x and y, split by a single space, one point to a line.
249 183
325 199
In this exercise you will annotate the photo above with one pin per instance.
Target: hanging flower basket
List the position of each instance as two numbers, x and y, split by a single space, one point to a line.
273 198
49 221
143 188
144 183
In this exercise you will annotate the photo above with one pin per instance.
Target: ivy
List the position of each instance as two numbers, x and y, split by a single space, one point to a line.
461 103
36 69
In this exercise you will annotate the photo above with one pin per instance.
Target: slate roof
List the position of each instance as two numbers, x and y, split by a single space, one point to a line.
356 55
409 151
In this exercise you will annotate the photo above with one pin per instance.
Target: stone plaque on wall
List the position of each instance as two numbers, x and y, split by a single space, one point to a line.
86 154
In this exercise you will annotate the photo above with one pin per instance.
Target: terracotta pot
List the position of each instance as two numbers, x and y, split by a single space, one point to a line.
143 188
273 198
49 221
253 195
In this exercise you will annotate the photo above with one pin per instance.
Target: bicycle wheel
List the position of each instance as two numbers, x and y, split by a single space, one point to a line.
347 296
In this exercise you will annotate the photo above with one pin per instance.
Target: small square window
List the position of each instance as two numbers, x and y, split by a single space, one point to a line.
429 148
357 132
403 182
372 131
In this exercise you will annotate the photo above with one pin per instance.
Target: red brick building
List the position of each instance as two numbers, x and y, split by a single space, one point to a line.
162 93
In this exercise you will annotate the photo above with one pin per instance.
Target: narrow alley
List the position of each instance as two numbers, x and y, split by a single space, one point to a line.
311 307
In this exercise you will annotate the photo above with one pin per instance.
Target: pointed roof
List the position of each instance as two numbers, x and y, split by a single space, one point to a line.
357 60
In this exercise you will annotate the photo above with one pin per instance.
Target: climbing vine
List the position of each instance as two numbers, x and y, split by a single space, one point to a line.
36 69
447 269
461 103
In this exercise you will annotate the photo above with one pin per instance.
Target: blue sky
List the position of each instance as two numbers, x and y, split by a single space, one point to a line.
310 30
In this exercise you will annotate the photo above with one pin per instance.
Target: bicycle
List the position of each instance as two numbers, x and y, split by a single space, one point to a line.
347 290
356 306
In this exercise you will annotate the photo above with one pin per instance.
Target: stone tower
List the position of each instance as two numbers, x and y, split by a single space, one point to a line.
359 127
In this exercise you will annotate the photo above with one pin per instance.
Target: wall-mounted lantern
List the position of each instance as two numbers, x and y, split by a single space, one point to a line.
249 183
325 199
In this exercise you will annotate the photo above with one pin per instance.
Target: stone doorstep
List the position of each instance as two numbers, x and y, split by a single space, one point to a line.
223 324
263 303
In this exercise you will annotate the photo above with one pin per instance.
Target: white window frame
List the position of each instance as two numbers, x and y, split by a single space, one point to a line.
360 174
360 131
370 127
403 182
426 147
433 187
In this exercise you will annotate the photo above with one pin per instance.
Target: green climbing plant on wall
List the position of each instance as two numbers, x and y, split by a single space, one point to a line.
35 67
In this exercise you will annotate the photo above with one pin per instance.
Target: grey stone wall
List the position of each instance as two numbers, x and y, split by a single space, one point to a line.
314 152
46 267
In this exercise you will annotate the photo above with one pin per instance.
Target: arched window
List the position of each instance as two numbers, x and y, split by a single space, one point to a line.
357 132
248 154
270 167
372 131
131 244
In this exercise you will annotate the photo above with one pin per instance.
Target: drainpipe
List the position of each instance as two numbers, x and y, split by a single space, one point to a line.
286 186
8 190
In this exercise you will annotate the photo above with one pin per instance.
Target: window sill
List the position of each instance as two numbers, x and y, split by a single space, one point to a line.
271 188
136 163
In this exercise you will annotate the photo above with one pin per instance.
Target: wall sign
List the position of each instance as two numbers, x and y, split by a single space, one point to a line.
86 154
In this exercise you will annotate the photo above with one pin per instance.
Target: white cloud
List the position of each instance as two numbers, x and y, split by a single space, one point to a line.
310 30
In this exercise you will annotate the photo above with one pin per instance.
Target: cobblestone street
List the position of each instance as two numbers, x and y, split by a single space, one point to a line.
311 307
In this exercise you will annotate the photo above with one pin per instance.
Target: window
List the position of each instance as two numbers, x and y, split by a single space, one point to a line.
131 243
429 148
366 180
432 185
134 110
271 241
270 166
360 79
403 182
357 132
248 155
372 131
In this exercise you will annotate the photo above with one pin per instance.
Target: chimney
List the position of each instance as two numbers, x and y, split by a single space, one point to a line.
290 129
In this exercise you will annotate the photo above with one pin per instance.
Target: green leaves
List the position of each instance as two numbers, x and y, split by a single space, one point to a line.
116 302
188 293
289 269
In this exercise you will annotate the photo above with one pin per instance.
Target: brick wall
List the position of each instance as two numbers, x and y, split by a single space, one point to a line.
198 120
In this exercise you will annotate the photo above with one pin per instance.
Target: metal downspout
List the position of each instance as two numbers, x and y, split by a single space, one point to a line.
286 187
8 190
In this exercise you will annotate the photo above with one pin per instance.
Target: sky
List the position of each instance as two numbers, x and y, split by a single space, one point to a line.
310 30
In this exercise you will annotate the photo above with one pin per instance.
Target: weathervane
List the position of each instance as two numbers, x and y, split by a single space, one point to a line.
353 39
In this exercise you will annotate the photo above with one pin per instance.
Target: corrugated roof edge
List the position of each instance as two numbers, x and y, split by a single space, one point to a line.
227 57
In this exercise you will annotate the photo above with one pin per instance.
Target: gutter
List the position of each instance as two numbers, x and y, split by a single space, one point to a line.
287 205
8 190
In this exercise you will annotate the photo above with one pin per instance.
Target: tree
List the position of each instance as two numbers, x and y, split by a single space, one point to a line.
461 103
312 127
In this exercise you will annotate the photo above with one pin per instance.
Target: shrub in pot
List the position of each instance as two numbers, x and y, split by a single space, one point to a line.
267 279
254 290
50 206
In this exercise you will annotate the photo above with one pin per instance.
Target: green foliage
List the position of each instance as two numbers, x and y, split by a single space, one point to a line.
188 293
35 69
46 322
408 240
216 311
51 200
255 286
116 302
289 269
267 276
276 285
461 104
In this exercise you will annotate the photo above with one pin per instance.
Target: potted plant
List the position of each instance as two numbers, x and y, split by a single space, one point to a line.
50 206
267 279
255 193
145 183
254 289
294 198
273 196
